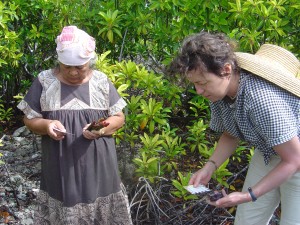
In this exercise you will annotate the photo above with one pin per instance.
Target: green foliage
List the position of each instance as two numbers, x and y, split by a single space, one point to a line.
10 50
199 106
152 114
133 109
242 149
172 149
151 145
265 21
251 153
105 65
222 173
173 146
131 138
131 30
197 139
206 151
179 184
147 167
111 25
5 114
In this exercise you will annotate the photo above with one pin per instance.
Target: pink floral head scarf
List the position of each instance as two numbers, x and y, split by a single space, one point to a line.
74 46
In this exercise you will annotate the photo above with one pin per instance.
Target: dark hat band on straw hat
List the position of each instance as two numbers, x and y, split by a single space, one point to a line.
274 64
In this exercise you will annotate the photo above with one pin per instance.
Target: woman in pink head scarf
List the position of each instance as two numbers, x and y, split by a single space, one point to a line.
80 181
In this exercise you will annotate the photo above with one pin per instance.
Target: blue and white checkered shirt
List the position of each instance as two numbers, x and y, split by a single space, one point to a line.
263 114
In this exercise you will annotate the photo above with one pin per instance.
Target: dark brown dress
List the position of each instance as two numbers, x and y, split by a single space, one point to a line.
80 181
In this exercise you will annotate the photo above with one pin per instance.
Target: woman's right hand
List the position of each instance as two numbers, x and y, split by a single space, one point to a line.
202 176
45 127
55 133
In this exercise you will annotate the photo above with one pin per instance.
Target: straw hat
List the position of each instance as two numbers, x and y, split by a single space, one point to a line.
274 64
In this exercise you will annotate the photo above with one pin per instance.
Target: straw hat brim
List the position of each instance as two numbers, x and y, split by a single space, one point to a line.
270 70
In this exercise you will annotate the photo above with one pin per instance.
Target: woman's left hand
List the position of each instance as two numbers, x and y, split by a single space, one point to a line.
91 135
231 199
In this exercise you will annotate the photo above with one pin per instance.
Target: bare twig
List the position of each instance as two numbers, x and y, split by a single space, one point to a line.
122 47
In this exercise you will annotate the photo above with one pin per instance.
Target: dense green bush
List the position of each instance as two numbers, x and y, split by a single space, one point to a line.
133 29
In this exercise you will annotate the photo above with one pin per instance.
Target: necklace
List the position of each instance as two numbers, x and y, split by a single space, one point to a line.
233 97
237 90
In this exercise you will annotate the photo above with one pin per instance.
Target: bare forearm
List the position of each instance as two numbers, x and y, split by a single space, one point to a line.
289 153
289 164
225 148
281 173
115 123
37 125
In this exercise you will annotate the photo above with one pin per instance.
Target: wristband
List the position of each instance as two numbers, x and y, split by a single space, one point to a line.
253 197
101 132
213 162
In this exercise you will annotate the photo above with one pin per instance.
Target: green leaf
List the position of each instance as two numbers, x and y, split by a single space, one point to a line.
110 36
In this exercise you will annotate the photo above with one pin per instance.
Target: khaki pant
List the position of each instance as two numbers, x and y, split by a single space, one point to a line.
261 211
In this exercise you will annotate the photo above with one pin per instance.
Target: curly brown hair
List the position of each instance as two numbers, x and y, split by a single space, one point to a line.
205 51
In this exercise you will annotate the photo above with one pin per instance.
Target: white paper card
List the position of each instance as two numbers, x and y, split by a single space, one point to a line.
194 190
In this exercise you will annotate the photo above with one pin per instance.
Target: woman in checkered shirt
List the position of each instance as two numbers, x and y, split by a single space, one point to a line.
254 98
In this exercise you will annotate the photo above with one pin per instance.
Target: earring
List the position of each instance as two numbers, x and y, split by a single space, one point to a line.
224 74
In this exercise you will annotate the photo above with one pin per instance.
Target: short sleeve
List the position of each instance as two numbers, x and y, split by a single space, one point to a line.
116 102
273 118
30 105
